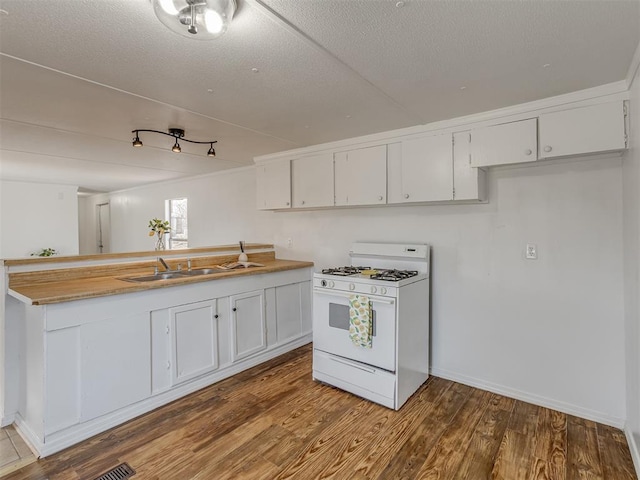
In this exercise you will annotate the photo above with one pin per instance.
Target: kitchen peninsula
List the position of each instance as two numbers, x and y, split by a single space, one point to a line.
96 349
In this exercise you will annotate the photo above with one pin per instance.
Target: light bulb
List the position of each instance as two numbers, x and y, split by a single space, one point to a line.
176 148
169 7
213 21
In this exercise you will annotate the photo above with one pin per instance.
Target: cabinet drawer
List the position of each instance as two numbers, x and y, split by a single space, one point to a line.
378 382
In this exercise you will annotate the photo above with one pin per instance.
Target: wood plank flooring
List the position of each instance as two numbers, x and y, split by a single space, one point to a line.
275 422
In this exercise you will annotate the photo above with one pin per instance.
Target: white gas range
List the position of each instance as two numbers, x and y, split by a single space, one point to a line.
394 280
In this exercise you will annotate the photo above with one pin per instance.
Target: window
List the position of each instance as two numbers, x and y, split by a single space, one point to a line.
176 211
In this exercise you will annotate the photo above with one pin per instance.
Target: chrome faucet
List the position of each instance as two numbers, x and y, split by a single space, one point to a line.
164 264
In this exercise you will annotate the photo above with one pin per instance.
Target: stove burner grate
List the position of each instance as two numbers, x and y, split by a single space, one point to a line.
344 271
394 275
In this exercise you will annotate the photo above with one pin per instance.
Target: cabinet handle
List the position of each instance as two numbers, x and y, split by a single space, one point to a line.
287 204
406 195
215 316
380 197
528 151
168 365
302 202
235 309
547 148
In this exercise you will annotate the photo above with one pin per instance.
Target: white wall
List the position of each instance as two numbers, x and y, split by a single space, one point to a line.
631 175
34 216
549 330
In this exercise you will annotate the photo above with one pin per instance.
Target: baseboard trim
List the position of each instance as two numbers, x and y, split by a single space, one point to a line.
7 420
530 398
633 448
70 436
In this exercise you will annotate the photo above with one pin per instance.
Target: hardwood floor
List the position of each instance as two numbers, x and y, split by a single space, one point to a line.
275 422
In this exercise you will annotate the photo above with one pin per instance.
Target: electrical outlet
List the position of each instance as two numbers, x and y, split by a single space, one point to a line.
289 242
532 251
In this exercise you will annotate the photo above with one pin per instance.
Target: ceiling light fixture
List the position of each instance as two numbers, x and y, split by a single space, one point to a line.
177 134
199 19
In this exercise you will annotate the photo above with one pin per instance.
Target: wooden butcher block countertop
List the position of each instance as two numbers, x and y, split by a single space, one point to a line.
57 286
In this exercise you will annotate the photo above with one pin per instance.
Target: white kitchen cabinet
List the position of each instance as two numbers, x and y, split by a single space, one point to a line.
421 170
312 181
273 182
592 129
194 340
92 364
121 345
361 176
469 183
248 326
292 310
507 143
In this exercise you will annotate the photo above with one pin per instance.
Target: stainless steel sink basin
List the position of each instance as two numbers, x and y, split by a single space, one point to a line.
203 271
155 278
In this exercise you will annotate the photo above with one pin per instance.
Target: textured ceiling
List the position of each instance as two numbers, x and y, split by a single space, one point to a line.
86 72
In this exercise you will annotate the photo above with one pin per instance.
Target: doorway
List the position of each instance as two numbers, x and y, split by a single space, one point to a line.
103 228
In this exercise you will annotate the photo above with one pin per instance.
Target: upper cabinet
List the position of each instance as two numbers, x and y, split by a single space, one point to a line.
468 182
592 129
421 170
312 180
514 142
429 167
361 176
273 181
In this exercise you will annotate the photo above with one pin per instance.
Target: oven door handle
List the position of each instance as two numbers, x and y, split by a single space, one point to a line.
333 293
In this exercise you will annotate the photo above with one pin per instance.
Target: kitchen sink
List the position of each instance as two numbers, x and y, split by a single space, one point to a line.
203 271
154 278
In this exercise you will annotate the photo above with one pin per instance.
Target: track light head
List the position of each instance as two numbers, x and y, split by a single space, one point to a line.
211 152
176 147
136 141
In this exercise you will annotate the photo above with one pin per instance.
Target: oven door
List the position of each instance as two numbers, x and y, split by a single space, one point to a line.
331 328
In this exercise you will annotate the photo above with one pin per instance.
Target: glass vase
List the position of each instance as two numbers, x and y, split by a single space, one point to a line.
160 242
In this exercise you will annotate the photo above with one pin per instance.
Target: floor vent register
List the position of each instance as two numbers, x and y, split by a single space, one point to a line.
121 472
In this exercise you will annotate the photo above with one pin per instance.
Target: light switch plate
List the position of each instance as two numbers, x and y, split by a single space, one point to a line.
531 252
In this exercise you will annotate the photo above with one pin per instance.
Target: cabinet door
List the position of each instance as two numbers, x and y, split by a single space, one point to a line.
427 169
597 128
514 142
361 176
288 312
312 179
273 182
194 340
248 329
115 364
468 182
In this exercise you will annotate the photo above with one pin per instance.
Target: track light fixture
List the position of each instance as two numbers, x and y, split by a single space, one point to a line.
177 134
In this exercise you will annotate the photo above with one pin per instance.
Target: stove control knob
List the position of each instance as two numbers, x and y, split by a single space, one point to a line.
323 283
352 286
374 289
383 291
331 284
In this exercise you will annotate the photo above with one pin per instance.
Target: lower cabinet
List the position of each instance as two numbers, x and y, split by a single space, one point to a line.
194 340
292 308
248 327
92 364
